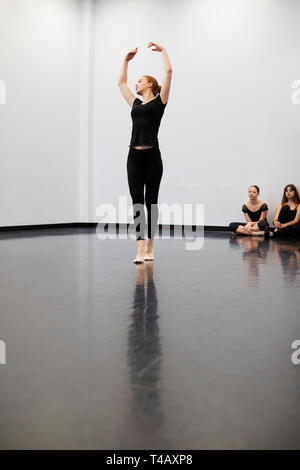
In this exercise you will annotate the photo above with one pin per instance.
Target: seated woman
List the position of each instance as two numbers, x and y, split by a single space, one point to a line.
255 212
287 216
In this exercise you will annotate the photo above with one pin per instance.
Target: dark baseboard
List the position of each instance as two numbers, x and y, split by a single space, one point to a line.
9 228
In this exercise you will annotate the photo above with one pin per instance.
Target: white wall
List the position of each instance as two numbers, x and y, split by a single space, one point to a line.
229 122
65 128
39 124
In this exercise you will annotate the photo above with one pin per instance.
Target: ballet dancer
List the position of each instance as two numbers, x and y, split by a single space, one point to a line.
287 216
255 212
144 163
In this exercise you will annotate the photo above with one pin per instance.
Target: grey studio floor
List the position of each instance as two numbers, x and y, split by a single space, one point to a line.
191 351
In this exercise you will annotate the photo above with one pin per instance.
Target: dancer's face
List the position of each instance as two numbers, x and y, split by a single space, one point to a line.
142 85
290 193
253 193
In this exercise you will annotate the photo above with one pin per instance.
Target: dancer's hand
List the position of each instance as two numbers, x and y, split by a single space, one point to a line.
158 48
131 54
277 224
246 228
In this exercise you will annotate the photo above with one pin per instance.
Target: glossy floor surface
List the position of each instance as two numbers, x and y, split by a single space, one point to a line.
191 351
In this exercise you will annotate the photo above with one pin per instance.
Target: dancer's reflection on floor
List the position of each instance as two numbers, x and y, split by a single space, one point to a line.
144 351
288 252
255 253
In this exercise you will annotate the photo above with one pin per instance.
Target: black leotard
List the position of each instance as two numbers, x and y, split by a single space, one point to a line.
255 215
287 214
146 121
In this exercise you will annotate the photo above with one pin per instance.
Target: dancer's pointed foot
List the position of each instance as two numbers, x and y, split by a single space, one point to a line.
140 253
138 259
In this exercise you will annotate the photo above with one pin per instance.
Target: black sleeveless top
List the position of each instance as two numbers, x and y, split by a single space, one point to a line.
255 215
146 121
287 214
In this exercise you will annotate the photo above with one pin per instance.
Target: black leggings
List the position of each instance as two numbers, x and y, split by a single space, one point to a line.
261 225
144 168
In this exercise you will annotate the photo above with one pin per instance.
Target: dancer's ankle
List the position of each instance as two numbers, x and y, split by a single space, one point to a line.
141 246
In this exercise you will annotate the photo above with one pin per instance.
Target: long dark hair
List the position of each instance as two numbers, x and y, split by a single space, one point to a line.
296 194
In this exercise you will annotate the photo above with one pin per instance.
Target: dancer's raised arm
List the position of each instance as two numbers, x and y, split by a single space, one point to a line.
125 90
166 83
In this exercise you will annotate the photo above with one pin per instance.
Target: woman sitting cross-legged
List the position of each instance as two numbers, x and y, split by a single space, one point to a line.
287 216
255 212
